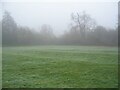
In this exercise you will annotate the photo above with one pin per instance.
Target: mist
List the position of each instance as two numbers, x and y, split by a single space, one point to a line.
59 44
57 15
85 23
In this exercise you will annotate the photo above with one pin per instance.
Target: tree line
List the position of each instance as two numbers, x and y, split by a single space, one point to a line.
83 31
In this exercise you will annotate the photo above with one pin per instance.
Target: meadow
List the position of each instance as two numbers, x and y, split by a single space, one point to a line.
60 67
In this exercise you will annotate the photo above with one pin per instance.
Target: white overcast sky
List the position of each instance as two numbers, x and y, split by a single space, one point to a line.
34 13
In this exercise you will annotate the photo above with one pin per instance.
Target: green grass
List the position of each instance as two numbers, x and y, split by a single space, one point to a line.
60 67
0 67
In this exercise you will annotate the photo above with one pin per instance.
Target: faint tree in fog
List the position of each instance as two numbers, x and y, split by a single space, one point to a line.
47 34
102 36
0 33
83 22
9 28
83 32
25 36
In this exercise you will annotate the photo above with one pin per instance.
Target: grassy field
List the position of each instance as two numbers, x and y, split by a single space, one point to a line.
0 67
60 66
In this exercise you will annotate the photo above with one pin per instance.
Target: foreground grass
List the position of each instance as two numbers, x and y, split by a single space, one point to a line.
0 67
60 66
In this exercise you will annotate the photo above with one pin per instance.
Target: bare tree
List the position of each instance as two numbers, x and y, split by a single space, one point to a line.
83 22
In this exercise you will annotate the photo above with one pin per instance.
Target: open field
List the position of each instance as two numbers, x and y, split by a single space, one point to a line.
60 66
0 67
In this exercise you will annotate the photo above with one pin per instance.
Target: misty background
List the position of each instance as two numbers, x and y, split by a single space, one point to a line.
26 23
